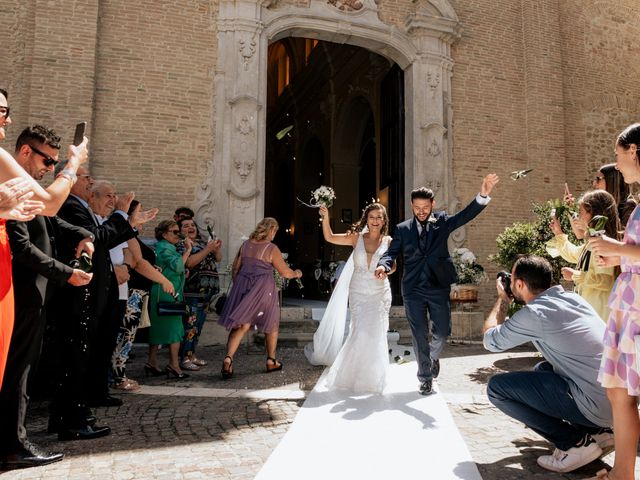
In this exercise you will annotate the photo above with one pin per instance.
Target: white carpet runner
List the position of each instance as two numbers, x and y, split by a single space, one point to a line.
395 436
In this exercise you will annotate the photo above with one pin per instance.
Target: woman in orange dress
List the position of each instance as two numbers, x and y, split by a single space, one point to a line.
22 198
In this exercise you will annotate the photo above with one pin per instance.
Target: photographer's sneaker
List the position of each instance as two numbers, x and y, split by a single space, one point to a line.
604 439
569 460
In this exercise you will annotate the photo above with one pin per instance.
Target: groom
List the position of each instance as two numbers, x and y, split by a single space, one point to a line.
429 272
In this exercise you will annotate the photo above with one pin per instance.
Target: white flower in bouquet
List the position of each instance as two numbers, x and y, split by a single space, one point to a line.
468 270
322 196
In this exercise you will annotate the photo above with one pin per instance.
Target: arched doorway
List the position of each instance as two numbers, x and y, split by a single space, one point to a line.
327 111
233 192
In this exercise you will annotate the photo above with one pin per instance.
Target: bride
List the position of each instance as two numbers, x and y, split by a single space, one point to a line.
361 364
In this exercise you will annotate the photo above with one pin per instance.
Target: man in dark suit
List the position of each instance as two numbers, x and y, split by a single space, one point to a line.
429 273
36 273
81 316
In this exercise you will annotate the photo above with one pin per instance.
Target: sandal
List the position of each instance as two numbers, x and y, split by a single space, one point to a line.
199 362
227 373
189 365
277 365
127 385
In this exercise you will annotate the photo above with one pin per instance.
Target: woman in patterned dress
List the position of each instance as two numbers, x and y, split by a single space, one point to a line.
619 372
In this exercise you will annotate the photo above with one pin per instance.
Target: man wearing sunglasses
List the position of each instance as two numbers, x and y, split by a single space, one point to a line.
36 273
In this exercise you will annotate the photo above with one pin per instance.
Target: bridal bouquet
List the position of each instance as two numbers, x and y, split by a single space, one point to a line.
322 196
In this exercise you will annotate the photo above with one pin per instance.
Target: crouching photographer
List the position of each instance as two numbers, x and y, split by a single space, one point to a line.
561 398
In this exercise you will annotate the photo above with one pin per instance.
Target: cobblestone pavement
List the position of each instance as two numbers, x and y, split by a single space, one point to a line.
204 427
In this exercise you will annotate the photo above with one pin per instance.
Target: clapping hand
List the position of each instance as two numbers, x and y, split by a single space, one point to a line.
140 218
123 202
14 200
488 183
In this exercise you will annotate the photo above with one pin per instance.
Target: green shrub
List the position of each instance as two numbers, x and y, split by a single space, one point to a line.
530 238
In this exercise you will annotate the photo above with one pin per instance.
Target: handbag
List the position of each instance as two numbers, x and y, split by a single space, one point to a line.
145 319
219 305
164 308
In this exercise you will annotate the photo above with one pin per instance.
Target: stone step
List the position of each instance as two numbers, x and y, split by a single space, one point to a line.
298 324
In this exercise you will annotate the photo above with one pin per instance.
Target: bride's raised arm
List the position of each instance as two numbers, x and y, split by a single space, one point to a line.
55 194
348 239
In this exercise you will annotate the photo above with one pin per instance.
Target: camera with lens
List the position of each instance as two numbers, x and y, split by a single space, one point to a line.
505 278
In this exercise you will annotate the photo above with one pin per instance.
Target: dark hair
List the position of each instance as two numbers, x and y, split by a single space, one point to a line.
4 92
163 227
40 134
601 202
536 272
182 220
629 135
423 193
358 227
186 210
132 206
614 182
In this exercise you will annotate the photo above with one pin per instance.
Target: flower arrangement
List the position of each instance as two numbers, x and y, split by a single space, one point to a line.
468 269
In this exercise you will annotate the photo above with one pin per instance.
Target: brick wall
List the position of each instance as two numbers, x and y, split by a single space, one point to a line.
542 84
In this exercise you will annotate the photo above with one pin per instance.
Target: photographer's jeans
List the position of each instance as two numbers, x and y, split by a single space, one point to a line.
542 401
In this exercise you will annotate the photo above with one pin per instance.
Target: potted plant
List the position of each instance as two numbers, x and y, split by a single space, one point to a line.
470 274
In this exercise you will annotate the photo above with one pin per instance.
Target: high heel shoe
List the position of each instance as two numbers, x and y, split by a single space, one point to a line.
277 366
227 373
151 371
173 373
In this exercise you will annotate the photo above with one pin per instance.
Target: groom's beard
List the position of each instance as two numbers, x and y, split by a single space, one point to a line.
517 300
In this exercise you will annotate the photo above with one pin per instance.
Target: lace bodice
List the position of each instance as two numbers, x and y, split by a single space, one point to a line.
360 255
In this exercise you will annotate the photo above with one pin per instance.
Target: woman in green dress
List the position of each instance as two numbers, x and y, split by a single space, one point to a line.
167 329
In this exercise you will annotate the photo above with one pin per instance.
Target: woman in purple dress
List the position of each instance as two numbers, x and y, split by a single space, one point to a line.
253 299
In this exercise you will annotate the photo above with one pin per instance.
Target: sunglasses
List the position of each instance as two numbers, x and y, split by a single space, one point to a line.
4 112
48 161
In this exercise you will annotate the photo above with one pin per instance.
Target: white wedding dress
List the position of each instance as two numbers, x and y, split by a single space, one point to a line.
361 365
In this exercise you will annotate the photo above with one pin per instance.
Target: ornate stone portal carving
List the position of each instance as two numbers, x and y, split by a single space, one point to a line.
232 190
347 5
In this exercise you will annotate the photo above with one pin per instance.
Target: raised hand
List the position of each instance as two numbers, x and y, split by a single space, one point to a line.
78 154
568 196
123 202
554 225
140 218
488 183
605 246
24 211
324 212
14 192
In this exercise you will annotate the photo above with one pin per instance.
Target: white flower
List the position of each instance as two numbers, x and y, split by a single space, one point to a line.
432 219
467 257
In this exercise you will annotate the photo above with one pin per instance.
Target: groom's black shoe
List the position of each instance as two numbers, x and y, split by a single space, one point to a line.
425 388
435 367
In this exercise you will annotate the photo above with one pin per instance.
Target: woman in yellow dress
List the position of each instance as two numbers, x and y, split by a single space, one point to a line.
592 282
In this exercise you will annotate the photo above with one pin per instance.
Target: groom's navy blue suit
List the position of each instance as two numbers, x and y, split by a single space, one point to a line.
428 275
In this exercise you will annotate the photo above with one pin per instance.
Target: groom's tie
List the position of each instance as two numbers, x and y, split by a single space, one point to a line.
423 236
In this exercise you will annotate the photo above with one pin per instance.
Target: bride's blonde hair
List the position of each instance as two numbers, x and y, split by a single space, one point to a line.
262 229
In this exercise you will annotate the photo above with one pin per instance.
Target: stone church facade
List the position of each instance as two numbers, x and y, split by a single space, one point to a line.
176 94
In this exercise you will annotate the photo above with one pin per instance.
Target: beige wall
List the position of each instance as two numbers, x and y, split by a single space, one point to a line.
543 84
